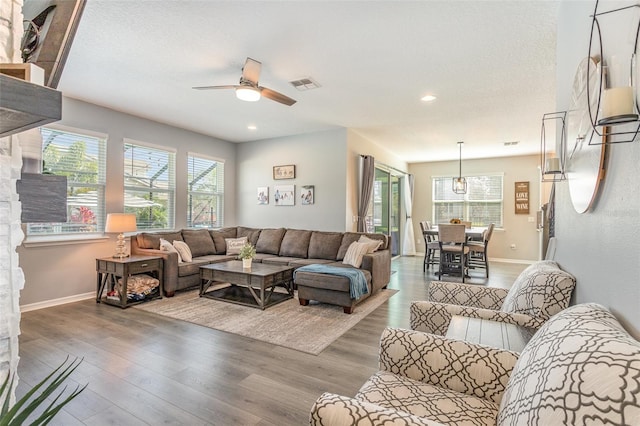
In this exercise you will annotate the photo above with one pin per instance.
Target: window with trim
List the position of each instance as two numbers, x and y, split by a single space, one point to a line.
149 185
205 189
481 205
82 159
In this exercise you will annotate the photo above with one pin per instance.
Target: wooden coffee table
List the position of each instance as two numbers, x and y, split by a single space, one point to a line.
259 287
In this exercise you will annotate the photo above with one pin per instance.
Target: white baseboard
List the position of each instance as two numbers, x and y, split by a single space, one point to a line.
56 302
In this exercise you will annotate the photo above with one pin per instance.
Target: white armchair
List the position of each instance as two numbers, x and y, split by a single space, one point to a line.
540 291
580 368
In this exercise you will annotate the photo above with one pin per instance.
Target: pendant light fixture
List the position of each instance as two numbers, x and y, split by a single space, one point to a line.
460 183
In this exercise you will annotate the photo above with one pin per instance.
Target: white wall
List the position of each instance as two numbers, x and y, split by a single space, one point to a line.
601 247
68 270
517 228
320 161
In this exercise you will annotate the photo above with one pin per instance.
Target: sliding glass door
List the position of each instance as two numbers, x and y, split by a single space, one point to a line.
386 207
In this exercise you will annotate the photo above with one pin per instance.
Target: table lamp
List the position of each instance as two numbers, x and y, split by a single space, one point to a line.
121 223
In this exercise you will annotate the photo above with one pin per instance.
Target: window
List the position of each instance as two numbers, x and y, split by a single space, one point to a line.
149 185
82 159
482 204
205 192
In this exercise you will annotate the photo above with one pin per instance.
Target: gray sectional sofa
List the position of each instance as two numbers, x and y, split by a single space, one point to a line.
295 247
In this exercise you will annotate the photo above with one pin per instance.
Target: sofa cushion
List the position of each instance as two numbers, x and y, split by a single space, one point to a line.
581 367
183 250
219 235
151 240
324 245
252 234
169 248
295 243
372 245
303 262
350 237
191 268
234 245
541 290
422 399
269 241
355 252
199 241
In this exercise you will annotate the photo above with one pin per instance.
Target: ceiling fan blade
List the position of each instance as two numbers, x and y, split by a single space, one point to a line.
251 71
215 87
276 96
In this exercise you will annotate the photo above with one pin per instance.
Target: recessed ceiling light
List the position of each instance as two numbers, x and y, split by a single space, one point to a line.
252 127
428 98
511 143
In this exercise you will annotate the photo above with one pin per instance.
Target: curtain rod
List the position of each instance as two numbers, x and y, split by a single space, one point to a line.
386 165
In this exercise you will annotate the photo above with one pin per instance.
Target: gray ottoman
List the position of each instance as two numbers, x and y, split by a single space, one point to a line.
326 288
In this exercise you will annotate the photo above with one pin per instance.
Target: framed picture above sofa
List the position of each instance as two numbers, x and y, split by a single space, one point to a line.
284 195
284 172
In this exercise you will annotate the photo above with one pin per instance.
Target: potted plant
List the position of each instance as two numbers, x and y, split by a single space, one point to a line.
247 253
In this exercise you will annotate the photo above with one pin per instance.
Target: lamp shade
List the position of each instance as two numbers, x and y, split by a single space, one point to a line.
120 222
248 93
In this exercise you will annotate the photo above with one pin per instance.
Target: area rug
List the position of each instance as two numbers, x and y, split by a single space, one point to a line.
307 329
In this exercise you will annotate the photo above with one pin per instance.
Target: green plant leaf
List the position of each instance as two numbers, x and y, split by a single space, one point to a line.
23 408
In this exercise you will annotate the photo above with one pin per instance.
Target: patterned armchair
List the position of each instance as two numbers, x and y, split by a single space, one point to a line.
581 367
540 291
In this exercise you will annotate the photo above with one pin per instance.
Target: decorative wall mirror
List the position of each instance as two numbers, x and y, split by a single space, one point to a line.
585 168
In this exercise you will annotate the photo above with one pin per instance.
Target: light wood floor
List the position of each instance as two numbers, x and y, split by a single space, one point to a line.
148 370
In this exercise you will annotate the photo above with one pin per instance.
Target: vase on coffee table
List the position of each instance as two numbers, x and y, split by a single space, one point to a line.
246 263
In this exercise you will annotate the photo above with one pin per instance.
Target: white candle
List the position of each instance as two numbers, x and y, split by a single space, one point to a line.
617 101
552 165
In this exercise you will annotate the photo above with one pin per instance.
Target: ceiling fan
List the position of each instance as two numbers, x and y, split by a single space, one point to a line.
248 89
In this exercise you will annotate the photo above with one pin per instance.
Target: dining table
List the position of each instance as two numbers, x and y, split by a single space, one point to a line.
473 233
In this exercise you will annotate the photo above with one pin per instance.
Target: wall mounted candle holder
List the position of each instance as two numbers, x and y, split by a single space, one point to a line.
616 113
553 168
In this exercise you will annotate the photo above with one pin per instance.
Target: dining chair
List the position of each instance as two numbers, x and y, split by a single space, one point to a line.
478 256
453 250
431 246
466 224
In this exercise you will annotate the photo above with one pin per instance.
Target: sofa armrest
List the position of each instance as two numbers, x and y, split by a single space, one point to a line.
379 264
170 269
469 368
336 410
433 317
467 294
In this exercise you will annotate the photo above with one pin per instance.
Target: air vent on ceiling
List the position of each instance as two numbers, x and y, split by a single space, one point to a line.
306 83
512 143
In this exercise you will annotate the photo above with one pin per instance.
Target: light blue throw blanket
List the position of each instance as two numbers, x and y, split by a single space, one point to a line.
358 282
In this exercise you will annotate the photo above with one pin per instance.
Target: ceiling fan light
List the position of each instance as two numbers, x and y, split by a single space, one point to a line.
249 94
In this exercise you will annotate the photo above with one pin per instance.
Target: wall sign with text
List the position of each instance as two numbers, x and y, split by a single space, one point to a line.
522 197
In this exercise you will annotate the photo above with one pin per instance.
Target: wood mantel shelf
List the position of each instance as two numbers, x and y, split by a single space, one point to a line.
25 105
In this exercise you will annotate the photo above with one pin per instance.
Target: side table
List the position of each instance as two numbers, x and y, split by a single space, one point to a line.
110 268
493 333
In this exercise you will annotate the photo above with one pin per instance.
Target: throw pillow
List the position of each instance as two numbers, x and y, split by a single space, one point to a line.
373 245
166 246
183 250
234 245
355 253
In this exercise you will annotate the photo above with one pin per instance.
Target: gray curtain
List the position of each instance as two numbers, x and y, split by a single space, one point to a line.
367 170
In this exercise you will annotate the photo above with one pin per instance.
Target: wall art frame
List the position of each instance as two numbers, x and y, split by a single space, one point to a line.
307 194
284 172
284 195
263 195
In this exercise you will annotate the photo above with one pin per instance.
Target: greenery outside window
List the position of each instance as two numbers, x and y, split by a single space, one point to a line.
149 185
481 205
205 180
82 159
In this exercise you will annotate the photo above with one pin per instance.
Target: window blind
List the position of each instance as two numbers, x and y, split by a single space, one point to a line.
205 188
82 159
482 204
149 185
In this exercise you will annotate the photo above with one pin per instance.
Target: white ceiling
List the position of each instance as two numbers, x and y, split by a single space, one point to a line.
490 63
